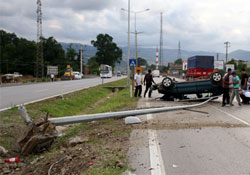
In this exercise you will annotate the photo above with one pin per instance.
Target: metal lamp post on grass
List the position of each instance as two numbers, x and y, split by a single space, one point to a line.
136 55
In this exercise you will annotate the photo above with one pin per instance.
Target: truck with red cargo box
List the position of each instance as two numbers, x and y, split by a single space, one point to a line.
200 66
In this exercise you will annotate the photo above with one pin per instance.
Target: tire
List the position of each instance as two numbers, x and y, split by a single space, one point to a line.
167 82
216 78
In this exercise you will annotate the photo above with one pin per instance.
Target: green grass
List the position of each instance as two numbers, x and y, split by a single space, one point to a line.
10 112
74 103
79 103
105 171
110 166
120 101
72 106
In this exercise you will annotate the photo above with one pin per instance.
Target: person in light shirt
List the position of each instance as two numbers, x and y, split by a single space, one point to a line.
138 83
236 85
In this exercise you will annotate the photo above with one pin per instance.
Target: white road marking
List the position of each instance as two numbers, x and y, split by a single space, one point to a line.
233 116
156 161
41 99
4 109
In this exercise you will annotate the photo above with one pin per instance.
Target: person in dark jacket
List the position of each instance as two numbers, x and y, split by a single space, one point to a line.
244 79
226 97
148 80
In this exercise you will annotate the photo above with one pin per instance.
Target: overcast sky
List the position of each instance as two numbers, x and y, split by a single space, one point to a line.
199 24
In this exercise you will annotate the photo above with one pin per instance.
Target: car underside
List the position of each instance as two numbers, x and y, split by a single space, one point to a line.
180 90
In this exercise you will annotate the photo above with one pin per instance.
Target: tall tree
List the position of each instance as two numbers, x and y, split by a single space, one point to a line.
73 58
53 52
233 61
93 65
107 51
178 61
142 62
17 54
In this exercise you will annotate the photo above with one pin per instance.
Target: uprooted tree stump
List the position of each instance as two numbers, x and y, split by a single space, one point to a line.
38 136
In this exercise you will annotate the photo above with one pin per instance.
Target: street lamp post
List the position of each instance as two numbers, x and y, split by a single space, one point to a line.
136 52
227 43
128 72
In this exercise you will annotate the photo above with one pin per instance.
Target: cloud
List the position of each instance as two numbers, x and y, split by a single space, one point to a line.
199 25
80 5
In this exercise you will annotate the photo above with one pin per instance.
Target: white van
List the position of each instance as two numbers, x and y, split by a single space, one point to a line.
156 73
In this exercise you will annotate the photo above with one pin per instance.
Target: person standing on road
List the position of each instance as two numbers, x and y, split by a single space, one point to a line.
244 79
148 80
231 86
236 85
226 83
138 83
52 77
248 83
183 75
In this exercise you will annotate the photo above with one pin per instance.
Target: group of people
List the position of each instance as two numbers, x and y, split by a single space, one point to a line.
232 86
148 81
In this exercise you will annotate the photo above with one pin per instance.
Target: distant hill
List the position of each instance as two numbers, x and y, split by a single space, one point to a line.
240 55
169 55
88 51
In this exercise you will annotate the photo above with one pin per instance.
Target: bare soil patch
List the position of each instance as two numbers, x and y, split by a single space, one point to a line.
107 141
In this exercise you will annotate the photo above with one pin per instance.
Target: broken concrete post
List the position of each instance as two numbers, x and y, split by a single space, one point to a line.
132 120
38 136
3 151
23 112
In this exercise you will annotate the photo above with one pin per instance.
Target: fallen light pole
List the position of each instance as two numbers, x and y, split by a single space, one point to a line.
90 117
41 132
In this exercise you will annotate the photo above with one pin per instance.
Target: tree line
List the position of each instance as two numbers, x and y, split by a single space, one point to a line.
19 54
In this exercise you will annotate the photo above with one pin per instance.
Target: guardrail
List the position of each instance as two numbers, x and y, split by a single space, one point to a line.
90 117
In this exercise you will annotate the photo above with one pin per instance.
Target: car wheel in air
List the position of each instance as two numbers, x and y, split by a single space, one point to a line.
167 82
216 78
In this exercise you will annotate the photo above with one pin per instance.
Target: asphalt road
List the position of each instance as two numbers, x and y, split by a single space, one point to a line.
20 94
206 140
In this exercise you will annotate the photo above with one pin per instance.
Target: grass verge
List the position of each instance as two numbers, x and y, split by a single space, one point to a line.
106 138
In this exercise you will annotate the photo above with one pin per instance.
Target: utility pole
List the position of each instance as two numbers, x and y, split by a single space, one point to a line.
136 50
227 43
179 51
39 54
217 56
157 59
136 42
128 71
81 50
135 32
161 43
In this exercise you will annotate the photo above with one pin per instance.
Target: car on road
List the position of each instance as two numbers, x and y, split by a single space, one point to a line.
172 89
15 77
78 75
124 73
118 74
156 73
